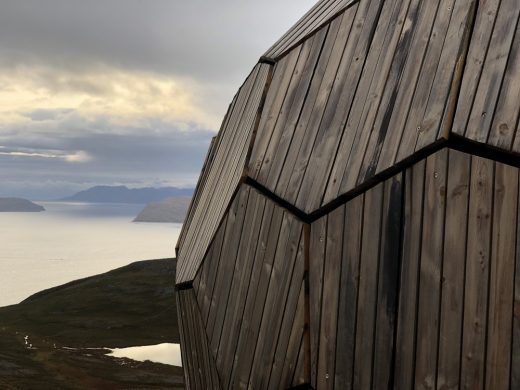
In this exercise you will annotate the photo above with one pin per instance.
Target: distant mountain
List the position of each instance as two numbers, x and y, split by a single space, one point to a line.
18 205
167 210
123 194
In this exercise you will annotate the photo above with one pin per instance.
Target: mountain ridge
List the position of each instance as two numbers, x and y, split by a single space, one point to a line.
12 204
123 194
169 210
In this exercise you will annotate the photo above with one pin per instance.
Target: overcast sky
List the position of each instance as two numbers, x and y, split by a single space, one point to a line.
122 91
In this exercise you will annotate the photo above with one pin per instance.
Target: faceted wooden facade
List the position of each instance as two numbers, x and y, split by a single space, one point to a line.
356 223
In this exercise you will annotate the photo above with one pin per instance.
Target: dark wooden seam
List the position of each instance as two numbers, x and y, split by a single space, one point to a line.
399 271
184 286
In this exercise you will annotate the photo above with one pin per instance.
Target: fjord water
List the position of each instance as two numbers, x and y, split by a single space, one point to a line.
69 241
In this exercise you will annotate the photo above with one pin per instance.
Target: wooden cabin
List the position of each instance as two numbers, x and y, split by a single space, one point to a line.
356 222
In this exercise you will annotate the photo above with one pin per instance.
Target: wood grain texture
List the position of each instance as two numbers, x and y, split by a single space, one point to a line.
255 316
477 274
411 285
409 281
388 283
357 286
348 294
488 108
224 174
431 270
316 17
454 260
318 244
392 67
502 271
404 270
367 298
515 342
330 298
198 190
200 369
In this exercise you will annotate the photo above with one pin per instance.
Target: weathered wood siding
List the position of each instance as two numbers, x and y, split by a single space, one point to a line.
413 282
199 366
204 173
354 290
317 16
251 293
340 237
224 175
370 89
490 94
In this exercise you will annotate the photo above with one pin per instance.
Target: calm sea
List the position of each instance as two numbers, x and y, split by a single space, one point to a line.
69 241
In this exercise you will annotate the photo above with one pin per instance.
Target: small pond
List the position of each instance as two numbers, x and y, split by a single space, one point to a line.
165 353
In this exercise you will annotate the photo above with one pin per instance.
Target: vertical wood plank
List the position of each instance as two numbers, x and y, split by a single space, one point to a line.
327 15
450 332
387 291
501 287
228 258
287 258
402 29
300 112
286 359
409 291
212 263
348 293
255 303
202 228
290 111
361 122
431 270
316 266
265 246
305 26
283 319
366 310
477 274
437 120
493 71
239 285
485 20
185 351
299 372
342 94
515 355
505 121
329 307
411 51
283 74
302 143
357 79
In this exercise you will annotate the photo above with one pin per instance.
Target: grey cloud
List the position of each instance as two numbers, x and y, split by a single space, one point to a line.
47 114
160 153
216 41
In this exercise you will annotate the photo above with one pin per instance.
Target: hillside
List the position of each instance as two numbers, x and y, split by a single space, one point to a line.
167 210
129 306
123 194
19 205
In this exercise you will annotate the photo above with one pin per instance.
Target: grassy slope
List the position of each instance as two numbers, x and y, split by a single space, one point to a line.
132 305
